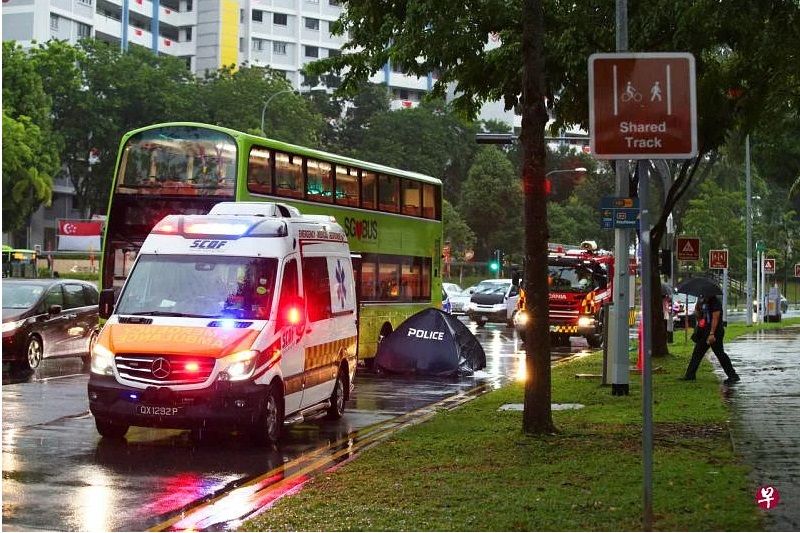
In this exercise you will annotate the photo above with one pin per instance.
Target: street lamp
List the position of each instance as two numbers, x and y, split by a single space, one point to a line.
561 171
264 109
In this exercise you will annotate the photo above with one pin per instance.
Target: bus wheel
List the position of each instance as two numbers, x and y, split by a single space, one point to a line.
34 352
336 410
267 430
110 430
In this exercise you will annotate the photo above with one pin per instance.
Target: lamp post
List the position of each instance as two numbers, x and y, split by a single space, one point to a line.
561 171
264 109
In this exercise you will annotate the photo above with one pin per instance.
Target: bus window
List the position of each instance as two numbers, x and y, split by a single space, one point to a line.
411 197
410 282
429 201
369 279
388 281
259 171
288 175
369 190
346 186
319 184
389 193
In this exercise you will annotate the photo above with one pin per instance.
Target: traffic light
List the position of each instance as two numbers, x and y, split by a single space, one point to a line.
494 266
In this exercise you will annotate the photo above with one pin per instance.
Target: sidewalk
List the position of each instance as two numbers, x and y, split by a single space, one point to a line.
765 424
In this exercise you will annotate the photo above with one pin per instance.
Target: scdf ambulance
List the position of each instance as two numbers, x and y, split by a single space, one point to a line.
240 320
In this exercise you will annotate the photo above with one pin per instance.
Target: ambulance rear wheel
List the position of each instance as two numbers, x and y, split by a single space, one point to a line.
336 410
109 429
267 429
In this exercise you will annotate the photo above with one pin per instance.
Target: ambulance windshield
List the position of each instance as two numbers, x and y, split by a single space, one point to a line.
203 287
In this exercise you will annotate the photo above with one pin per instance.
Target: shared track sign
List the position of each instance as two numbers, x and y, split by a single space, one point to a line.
642 106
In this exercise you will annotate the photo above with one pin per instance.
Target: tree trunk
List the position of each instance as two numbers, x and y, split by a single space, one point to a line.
537 416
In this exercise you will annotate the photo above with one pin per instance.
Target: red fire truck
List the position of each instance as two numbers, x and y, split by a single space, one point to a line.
580 284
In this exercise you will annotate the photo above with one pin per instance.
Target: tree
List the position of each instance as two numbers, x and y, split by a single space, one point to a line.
30 152
100 94
491 204
256 91
451 41
428 138
456 230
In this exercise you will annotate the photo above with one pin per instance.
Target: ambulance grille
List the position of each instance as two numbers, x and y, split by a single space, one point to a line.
164 369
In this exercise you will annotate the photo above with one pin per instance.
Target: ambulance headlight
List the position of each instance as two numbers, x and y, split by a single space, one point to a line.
240 366
585 322
102 360
469 307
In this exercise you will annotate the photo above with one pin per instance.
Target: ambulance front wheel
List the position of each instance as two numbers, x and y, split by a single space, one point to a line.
267 429
109 429
336 410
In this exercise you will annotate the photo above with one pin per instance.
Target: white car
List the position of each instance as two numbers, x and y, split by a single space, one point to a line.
459 302
494 300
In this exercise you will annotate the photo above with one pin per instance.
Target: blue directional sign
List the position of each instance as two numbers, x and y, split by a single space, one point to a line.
618 212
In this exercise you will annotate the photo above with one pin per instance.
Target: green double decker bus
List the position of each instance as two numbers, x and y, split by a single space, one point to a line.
20 263
393 218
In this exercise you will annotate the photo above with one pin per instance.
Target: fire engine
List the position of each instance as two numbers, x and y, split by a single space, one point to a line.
580 285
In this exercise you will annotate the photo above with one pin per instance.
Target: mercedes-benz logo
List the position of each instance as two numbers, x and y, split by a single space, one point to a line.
160 368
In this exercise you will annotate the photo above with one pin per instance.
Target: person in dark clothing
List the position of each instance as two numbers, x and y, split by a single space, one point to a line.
710 333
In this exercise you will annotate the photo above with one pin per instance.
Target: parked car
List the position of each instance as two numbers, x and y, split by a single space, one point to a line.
494 300
459 302
45 318
683 308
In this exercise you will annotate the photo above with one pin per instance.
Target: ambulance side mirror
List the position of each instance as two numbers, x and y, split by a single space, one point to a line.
107 301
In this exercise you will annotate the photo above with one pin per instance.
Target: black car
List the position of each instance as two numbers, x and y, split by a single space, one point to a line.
48 318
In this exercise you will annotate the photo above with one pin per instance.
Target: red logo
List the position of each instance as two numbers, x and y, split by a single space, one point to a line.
767 497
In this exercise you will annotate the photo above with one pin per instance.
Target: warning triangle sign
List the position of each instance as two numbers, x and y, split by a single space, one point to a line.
688 248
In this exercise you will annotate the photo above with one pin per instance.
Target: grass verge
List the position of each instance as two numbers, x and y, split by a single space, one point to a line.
473 469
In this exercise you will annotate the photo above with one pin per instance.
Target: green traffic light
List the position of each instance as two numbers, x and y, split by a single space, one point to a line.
493 266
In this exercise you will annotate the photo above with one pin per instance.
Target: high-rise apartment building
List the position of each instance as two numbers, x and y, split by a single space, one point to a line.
208 34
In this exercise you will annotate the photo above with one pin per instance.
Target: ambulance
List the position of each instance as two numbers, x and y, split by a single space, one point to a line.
241 320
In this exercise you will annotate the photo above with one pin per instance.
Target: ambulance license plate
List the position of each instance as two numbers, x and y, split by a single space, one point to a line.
158 410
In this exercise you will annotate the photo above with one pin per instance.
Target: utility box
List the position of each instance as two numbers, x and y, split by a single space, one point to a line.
773 307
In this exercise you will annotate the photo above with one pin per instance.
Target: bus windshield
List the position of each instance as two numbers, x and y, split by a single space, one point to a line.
19 263
233 287
178 161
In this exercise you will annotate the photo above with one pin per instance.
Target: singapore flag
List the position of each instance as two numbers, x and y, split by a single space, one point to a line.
83 235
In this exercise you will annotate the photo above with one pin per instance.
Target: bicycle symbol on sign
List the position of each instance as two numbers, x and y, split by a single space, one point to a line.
631 94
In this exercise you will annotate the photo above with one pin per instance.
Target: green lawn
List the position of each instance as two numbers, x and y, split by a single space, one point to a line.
473 469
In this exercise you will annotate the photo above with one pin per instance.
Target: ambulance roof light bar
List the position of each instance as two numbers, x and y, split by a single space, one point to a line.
261 209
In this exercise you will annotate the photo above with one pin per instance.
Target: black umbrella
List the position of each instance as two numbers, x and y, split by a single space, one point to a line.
700 287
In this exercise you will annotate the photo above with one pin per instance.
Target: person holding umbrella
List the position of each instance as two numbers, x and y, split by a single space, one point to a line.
710 333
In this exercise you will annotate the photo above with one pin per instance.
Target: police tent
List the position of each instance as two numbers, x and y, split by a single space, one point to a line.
430 342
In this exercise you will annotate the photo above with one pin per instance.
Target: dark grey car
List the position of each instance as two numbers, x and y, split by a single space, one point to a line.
48 318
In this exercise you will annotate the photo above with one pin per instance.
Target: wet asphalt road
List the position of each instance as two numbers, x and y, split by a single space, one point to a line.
58 474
